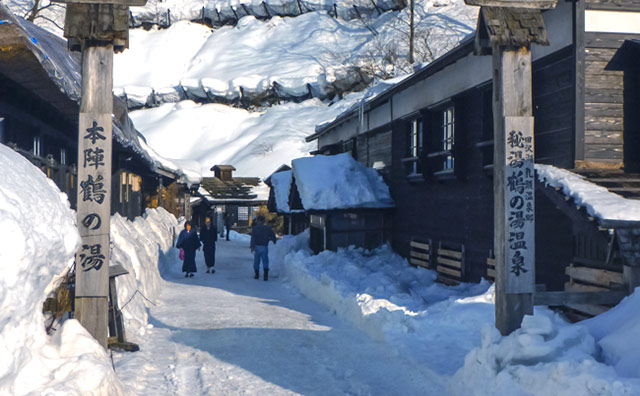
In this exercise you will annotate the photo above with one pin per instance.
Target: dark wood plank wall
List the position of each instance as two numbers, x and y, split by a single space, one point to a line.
604 125
632 121
553 104
452 210
460 209
553 243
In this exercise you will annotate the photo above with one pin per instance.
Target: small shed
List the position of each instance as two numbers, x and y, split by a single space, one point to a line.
348 204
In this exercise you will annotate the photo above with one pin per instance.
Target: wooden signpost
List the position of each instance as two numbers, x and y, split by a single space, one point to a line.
94 27
507 29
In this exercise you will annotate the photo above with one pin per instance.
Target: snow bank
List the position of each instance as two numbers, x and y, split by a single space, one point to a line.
254 143
37 244
140 246
281 183
377 291
598 201
546 356
450 330
236 236
616 332
339 182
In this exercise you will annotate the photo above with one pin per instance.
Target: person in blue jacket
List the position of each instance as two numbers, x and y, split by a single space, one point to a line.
189 242
261 234
208 237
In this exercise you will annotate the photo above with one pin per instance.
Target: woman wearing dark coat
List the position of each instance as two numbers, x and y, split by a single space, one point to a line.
189 242
208 237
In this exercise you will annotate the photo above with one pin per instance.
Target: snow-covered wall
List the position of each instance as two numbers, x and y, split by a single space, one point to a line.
140 247
38 240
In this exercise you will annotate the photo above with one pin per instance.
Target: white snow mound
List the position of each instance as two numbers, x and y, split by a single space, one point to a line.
38 240
339 182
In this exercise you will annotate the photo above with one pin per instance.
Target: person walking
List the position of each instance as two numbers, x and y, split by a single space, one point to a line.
228 222
189 242
208 237
261 234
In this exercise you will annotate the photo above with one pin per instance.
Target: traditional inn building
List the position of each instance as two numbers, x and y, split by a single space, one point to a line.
431 137
39 106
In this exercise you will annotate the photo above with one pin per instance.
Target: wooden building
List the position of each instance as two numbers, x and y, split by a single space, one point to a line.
342 202
238 197
431 136
39 105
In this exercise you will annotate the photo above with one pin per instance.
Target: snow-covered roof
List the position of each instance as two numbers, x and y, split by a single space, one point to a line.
62 68
339 182
240 189
597 200
281 185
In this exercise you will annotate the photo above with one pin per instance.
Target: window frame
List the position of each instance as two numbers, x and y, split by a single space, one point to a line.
443 139
414 145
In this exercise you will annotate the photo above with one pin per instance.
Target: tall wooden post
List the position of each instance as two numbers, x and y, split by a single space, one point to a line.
506 29
94 192
95 27
513 186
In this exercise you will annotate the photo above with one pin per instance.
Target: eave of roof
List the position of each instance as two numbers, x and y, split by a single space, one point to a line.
463 48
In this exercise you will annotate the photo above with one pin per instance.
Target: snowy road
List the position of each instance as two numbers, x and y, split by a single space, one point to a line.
228 334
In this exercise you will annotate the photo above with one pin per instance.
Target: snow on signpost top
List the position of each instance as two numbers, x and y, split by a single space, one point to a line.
339 182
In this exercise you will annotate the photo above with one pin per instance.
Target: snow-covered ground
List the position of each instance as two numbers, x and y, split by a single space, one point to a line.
228 334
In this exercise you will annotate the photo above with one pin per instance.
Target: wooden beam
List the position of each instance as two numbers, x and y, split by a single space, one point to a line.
595 275
556 298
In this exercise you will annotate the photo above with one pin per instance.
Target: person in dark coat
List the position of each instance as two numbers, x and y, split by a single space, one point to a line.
260 237
189 242
208 237
228 222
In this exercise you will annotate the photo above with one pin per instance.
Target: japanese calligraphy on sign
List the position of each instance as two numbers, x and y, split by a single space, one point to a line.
519 193
94 203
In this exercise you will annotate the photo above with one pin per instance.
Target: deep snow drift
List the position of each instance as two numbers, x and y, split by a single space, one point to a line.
450 329
141 247
38 240
255 143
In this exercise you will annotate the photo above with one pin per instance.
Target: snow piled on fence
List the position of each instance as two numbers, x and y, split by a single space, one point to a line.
226 11
189 59
141 246
450 331
38 240
598 201
287 58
